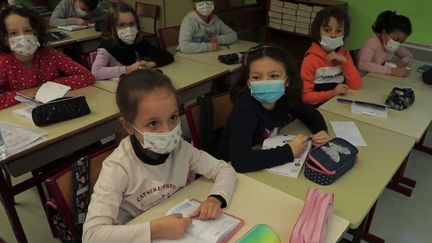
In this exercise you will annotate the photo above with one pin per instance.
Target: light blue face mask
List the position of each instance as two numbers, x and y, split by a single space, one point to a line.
267 91
81 13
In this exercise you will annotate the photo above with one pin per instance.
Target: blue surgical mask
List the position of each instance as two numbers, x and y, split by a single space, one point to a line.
267 91
331 44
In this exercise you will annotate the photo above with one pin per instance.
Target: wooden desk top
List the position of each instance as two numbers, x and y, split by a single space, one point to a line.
184 74
212 57
411 122
414 79
254 202
357 190
102 106
76 36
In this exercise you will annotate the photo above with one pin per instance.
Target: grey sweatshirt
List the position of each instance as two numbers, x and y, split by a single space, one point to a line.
65 14
194 31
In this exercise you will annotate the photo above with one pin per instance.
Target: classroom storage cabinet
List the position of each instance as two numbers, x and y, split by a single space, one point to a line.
288 23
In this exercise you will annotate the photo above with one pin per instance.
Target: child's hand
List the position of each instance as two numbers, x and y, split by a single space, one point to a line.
298 144
340 89
212 38
148 64
81 21
134 66
400 72
336 56
215 46
320 138
171 227
209 209
402 64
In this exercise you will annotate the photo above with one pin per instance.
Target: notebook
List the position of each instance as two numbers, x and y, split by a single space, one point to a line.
75 27
47 92
293 168
209 231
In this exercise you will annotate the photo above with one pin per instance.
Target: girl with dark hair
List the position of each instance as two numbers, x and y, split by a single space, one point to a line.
150 165
123 48
267 98
327 69
26 62
390 30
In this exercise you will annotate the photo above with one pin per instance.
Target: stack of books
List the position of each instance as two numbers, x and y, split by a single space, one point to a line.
289 16
292 17
303 19
275 14
315 10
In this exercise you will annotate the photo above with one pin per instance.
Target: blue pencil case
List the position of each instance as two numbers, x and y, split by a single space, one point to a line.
328 162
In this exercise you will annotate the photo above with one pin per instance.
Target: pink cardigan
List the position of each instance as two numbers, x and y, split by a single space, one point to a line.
372 56
105 66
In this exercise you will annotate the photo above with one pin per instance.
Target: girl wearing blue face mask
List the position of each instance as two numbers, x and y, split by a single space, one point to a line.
203 31
327 69
267 98
149 165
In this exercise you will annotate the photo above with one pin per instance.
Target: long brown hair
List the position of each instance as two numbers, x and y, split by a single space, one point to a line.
109 33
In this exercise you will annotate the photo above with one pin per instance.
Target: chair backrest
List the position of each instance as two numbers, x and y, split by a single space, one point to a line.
150 11
60 185
222 107
87 59
168 37
354 55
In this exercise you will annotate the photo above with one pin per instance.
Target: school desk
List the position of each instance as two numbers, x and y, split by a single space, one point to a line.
190 78
212 57
62 139
357 191
76 36
414 79
411 122
254 202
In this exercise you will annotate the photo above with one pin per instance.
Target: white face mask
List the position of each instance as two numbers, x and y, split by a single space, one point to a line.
128 34
81 13
24 45
204 8
392 46
330 44
161 143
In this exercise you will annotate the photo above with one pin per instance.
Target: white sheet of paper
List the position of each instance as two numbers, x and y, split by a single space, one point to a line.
348 131
390 64
368 110
17 138
293 168
51 91
201 231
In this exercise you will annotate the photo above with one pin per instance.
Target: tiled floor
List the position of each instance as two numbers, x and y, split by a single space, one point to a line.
398 219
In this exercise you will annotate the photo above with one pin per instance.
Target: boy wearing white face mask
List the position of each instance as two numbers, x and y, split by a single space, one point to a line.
149 165
202 31
25 60
76 12
327 69
123 48
390 30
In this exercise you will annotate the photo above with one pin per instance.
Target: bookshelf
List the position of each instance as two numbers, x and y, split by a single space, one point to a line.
288 23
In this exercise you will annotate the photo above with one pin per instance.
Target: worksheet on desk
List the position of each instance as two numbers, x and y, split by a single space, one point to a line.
17 138
348 131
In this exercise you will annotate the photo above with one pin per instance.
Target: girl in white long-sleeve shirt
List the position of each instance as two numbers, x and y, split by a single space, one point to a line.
149 165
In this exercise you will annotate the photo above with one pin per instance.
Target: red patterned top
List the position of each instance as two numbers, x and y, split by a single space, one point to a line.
49 65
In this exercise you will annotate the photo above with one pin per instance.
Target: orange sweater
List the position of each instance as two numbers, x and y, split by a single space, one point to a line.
321 76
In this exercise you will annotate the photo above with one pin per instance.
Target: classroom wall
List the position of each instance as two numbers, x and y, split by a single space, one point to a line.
364 12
